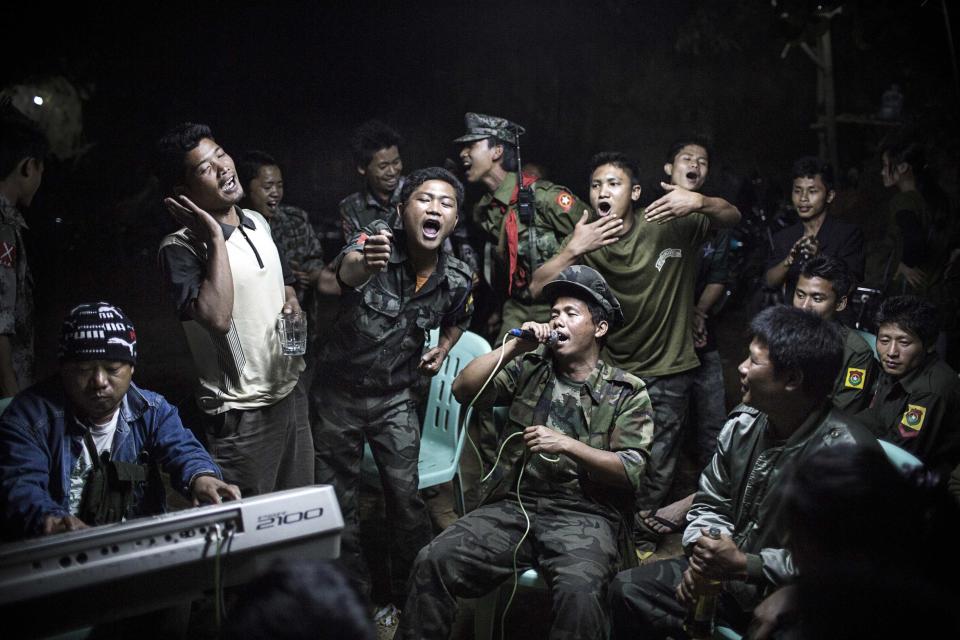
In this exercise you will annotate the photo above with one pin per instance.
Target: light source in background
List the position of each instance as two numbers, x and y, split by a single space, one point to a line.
56 105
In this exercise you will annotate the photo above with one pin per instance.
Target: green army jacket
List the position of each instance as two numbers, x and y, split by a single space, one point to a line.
740 491
918 412
616 411
557 212
860 370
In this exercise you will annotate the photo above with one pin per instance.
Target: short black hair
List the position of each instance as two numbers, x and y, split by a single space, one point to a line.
811 167
370 137
831 269
912 314
799 341
620 160
248 166
906 150
20 138
677 146
418 177
171 149
509 158
299 600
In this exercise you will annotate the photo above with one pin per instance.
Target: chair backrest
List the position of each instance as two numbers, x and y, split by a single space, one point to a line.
442 413
871 340
903 460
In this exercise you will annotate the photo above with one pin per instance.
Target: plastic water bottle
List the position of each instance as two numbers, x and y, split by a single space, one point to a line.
701 616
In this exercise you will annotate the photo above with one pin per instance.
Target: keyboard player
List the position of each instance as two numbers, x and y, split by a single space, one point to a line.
84 446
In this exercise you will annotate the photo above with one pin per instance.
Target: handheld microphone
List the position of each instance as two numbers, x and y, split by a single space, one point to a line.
526 334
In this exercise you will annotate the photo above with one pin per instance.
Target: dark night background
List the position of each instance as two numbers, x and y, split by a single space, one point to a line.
295 79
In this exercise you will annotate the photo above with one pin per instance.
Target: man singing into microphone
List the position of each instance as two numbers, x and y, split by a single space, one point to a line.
574 450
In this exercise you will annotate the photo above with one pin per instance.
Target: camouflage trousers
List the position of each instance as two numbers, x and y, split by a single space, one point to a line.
707 404
391 426
670 399
643 603
576 553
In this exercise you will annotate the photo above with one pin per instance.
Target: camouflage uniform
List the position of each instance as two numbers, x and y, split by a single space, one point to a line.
359 209
297 241
577 526
16 292
362 390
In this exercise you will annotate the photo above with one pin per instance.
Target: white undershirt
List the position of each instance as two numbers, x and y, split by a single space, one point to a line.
102 435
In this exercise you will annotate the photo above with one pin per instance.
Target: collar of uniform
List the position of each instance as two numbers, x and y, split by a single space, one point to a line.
596 379
399 254
504 193
910 381
10 214
391 203
245 220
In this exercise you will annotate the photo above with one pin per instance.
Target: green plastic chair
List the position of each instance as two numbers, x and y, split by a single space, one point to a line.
4 403
441 442
902 459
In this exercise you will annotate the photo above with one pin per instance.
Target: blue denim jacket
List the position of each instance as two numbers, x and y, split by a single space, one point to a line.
40 441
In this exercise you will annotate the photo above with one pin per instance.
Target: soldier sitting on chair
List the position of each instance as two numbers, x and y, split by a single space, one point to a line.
573 455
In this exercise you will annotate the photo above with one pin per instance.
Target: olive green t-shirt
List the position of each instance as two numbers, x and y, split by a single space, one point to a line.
652 271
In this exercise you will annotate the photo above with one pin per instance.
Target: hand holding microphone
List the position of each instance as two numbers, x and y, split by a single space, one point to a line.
535 333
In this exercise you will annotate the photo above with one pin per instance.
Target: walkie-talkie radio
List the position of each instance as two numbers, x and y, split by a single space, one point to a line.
526 206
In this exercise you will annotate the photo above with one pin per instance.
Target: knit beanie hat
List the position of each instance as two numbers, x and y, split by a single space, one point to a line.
97 331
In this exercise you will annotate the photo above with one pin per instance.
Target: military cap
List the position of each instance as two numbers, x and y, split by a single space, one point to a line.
579 279
480 126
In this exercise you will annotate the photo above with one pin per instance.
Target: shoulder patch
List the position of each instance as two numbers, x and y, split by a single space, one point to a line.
912 421
855 378
565 200
8 254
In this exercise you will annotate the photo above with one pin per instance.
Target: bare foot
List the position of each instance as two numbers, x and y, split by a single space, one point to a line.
669 519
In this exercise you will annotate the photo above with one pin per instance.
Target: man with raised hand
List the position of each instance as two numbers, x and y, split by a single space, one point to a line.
398 284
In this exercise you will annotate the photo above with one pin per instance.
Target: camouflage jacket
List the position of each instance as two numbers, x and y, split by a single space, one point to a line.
297 240
613 408
359 209
381 327
740 491
16 292
557 212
